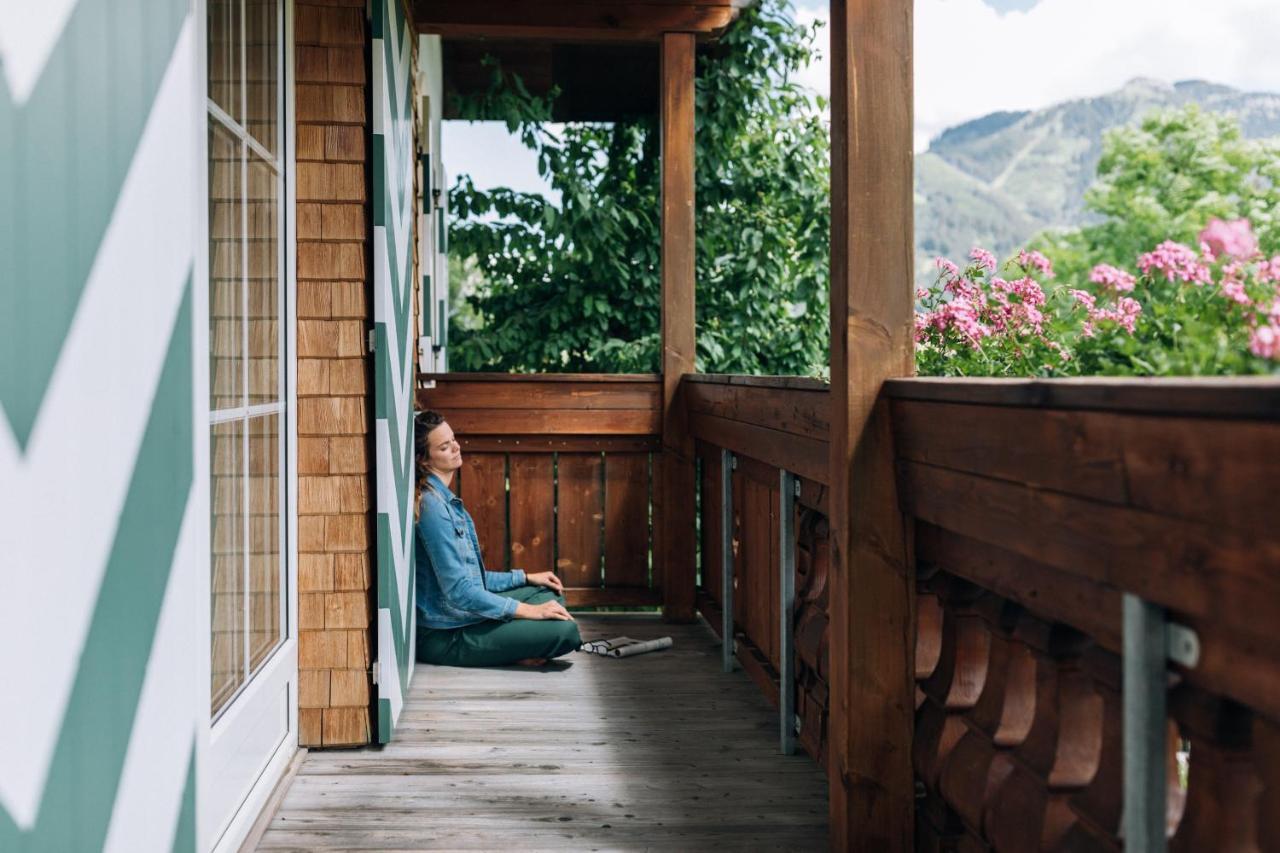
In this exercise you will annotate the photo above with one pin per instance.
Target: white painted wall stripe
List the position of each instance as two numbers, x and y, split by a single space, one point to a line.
155 768
62 500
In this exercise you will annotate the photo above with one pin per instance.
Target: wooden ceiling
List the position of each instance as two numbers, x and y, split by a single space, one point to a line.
596 82
574 20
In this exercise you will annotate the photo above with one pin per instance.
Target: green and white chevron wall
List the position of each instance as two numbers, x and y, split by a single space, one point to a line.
102 523
393 158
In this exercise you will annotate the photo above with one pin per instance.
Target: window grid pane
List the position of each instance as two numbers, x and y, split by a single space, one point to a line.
262 69
246 344
263 247
225 50
264 537
226 478
226 269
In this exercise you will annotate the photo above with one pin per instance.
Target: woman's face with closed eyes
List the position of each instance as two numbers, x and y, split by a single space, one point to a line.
446 454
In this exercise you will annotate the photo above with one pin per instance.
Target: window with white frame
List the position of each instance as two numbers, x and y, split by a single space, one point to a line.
246 340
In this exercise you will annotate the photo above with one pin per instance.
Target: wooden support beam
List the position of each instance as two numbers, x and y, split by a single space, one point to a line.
872 583
674 546
567 20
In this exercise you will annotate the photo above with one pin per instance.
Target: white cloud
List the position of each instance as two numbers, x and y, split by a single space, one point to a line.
971 60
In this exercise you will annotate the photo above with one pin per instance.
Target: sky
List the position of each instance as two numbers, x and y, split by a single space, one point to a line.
974 57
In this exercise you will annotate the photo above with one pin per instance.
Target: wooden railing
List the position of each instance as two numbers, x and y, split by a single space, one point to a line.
1031 509
557 473
768 425
1036 506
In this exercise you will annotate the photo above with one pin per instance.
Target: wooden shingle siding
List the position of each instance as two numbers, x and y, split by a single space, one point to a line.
335 537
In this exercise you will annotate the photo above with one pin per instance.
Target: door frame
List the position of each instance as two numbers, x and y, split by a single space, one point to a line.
281 669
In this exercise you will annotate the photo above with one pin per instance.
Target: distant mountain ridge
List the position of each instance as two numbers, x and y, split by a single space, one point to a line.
999 179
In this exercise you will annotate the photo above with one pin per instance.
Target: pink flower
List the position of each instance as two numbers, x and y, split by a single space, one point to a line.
1233 283
947 266
922 322
960 314
1176 261
1233 289
1234 239
984 258
1035 260
1029 291
1269 270
962 288
1109 276
1127 312
922 293
1084 297
1264 341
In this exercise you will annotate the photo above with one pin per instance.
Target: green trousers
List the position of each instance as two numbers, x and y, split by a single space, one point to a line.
493 643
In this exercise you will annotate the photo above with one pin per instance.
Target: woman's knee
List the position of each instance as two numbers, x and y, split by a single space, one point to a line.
568 635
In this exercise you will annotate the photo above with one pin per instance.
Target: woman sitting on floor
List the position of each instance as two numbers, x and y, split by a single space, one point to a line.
468 616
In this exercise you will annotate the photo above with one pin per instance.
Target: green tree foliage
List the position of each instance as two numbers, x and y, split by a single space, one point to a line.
575 286
1164 180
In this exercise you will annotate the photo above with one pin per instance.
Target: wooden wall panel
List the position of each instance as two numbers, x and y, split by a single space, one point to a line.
335 459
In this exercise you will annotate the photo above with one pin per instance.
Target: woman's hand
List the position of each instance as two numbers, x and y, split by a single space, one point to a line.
547 579
546 610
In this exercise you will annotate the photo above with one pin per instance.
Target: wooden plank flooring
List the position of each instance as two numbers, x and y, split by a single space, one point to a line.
657 752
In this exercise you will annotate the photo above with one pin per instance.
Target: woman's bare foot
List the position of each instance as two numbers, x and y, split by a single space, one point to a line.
531 662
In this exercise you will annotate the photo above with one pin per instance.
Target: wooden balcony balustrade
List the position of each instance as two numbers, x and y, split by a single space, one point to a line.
1031 508
1035 507
558 472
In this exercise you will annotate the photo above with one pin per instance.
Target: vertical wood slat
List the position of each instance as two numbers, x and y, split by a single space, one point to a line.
737 541
626 524
711 531
759 569
676 560
580 511
485 496
872 789
532 511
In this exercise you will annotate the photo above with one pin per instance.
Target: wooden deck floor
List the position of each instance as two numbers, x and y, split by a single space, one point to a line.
660 751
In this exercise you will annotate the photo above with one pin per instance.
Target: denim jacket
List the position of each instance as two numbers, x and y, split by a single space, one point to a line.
454 588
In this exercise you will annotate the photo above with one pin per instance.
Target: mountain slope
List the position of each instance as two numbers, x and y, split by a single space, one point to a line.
999 179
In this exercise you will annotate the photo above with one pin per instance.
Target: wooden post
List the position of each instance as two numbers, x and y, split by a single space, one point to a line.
873 585
674 545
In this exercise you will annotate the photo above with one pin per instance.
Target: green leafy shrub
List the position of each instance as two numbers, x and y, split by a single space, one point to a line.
1183 312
